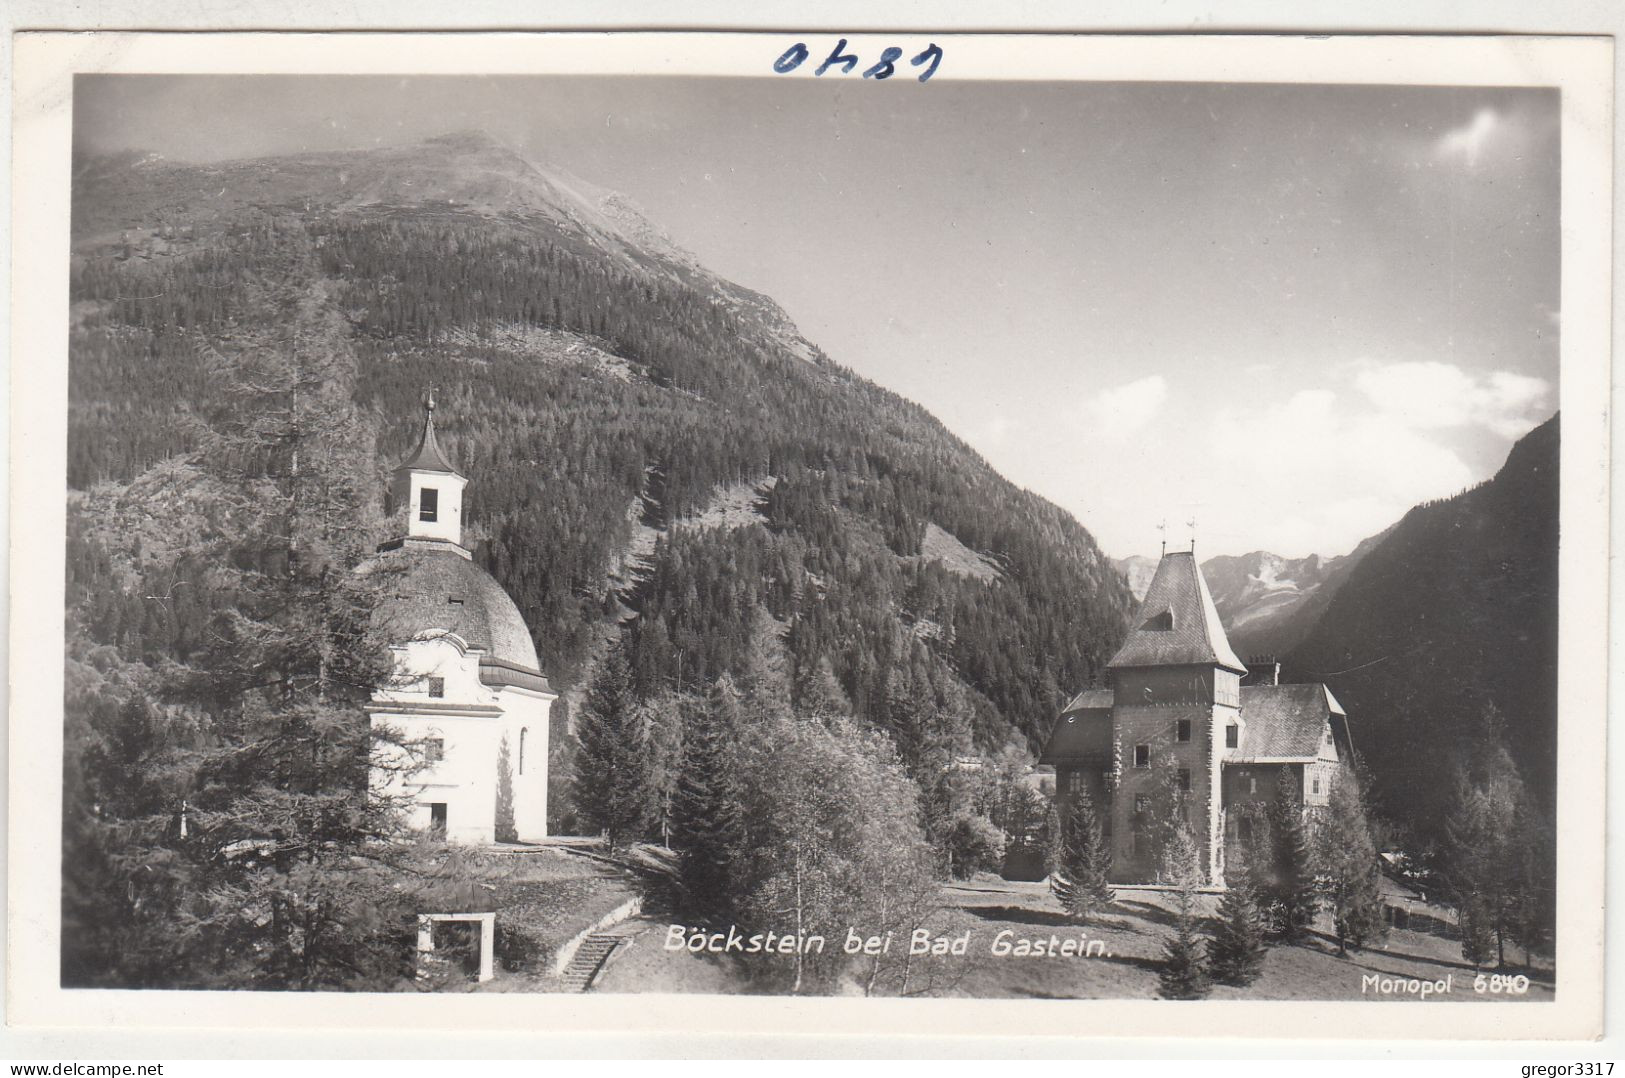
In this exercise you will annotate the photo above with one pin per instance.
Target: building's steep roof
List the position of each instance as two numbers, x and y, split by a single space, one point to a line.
1286 722
428 456
1177 623
1089 698
436 586
1080 737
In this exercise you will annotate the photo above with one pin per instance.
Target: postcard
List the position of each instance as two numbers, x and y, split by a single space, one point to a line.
778 532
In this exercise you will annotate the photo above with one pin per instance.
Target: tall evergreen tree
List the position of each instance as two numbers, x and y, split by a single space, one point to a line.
1236 949
708 806
613 787
1348 871
1291 887
1484 850
1184 969
506 830
1079 881
251 851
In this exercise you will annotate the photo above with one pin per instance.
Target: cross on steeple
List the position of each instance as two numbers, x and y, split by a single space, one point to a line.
1191 524
1163 529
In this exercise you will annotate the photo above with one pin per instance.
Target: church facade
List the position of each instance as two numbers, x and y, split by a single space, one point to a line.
468 701
1184 721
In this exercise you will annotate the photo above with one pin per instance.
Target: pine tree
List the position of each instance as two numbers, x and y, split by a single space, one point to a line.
708 805
505 830
287 880
613 770
1079 881
1350 877
1482 855
1184 971
1235 953
1292 883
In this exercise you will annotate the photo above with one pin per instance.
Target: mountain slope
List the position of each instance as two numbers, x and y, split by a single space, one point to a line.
1451 616
587 365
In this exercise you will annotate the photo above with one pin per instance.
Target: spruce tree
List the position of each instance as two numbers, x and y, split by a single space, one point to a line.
1292 881
1184 971
287 881
708 805
1350 877
613 770
1079 881
1235 953
506 830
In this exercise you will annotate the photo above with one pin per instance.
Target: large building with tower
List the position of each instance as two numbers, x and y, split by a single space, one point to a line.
1183 722
468 699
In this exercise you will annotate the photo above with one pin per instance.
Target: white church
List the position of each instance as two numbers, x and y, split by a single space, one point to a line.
468 693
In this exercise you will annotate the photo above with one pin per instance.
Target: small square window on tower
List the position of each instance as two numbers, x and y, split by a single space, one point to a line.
1182 730
437 687
1185 779
434 750
429 505
1142 756
1232 736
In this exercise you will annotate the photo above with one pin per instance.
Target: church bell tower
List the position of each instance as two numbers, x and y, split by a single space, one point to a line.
430 488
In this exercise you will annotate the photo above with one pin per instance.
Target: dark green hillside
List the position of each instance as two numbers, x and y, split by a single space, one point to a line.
1448 628
600 388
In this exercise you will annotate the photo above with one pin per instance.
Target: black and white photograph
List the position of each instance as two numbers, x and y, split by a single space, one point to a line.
838 530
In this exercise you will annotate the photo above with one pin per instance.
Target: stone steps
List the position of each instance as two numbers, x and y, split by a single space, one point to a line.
588 960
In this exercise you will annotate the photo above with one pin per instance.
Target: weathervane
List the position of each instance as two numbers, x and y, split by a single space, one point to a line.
1163 528
1191 524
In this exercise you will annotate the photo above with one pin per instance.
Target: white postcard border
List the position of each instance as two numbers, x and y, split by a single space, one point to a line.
44 67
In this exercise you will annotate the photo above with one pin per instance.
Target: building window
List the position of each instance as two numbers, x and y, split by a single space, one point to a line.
1142 804
437 819
1185 779
437 687
429 504
434 750
1252 784
1160 623
1182 730
1232 736
1317 784
1142 756
522 734
1244 827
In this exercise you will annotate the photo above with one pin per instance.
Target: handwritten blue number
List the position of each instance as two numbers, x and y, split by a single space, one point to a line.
847 61
932 53
883 68
792 58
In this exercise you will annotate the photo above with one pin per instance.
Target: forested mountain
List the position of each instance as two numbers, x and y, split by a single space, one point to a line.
1442 642
655 453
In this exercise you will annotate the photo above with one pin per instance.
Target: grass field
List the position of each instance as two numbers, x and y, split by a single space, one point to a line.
1131 935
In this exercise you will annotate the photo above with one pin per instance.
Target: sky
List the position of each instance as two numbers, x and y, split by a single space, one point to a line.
1285 312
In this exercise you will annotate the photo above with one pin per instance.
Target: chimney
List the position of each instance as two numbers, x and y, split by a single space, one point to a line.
1263 670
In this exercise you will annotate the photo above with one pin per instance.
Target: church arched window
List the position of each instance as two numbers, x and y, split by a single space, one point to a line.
523 731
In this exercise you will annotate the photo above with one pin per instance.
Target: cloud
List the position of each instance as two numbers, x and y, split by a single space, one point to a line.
1437 396
1323 470
1469 141
1118 412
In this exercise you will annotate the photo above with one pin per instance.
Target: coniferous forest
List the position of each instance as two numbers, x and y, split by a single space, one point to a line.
601 398
813 638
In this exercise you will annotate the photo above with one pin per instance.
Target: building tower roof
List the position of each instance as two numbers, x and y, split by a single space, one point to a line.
428 456
1177 623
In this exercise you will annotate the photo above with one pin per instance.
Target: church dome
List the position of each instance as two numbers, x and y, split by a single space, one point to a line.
435 586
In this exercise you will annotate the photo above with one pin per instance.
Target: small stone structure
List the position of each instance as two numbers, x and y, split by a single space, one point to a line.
488 936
